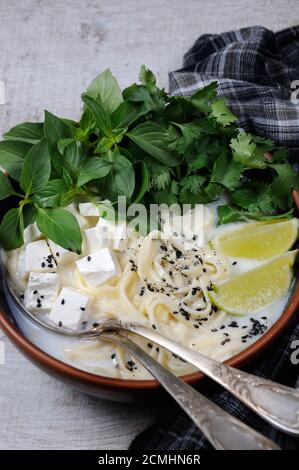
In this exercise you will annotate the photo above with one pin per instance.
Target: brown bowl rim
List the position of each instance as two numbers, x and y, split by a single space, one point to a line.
72 373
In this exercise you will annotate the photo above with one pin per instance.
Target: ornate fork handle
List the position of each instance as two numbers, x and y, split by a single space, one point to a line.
224 431
277 404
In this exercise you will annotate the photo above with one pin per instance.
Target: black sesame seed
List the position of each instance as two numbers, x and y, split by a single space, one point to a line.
50 265
83 309
60 323
62 301
95 325
196 326
149 345
22 296
57 254
113 356
43 264
154 327
222 327
157 349
234 263
35 292
88 258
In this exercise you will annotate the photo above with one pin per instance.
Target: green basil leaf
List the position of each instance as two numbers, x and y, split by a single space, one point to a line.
127 113
101 116
120 181
151 137
62 144
74 155
12 156
67 178
93 168
6 188
36 169
60 226
142 181
104 88
29 214
147 77
55 130
68 197
11 229
31 132
51 194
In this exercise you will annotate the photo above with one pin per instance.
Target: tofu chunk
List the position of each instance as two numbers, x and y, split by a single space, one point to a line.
93 240
41 292
38 258
70 308
88 209
98 267
61 254
115 232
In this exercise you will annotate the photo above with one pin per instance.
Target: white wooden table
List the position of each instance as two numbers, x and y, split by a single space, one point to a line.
49 52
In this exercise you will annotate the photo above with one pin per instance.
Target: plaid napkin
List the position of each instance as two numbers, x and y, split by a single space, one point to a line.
255 69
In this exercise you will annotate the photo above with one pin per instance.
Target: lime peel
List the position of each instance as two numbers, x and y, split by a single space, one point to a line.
256 288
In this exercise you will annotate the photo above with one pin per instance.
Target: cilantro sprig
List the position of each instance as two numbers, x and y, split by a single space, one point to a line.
145 145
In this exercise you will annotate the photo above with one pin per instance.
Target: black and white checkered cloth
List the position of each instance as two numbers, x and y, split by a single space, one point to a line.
255 69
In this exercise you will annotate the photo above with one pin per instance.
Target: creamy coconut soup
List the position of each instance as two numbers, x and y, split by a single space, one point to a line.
161 280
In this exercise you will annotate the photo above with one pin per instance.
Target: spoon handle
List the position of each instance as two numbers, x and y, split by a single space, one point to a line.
224 431
277 404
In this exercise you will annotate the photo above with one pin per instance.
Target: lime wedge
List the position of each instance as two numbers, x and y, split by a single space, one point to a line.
251 290
260 240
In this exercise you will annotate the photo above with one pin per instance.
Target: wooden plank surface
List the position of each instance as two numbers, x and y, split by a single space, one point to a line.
49 52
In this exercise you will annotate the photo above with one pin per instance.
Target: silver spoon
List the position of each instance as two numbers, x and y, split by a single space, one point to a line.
276 403
224 431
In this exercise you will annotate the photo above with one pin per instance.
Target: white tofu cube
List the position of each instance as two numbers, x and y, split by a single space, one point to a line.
38 257
115 232
61 254
41 292
31 233
98 267
70 308
93 240
88 209
73 210
21 265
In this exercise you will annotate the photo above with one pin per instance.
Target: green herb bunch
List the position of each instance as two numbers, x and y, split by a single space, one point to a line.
145 145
